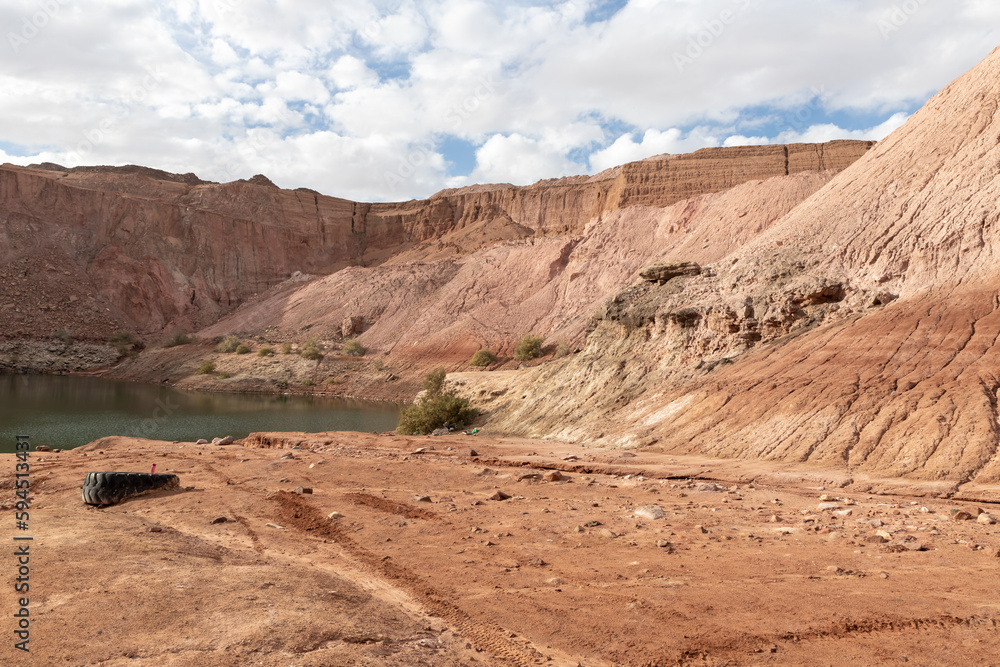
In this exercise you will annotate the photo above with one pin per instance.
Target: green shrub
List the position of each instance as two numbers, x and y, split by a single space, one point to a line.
563 350
529 347
266 351
483 357
435 408
311 352
308 382
228 344
242 348
434 382
286 348
353 348
179 339
64 336
224 376
207 367
125 342
283 384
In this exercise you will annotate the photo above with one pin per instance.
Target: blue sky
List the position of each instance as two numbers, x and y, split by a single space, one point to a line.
392 100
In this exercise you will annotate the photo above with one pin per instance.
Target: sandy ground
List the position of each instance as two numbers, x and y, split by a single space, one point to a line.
424 567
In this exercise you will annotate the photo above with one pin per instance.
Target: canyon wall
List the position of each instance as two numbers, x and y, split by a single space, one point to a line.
101 249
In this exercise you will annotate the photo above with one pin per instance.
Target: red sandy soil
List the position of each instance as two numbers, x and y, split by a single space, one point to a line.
749 573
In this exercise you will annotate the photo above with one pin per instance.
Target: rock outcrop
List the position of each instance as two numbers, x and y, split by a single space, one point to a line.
799 349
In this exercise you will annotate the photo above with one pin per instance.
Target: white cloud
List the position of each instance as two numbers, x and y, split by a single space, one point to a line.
539 91
520 160
654 142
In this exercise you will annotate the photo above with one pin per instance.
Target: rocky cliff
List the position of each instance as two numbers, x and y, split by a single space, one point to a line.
100 249
858 332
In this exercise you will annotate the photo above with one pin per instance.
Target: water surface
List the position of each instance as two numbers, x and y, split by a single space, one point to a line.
68 411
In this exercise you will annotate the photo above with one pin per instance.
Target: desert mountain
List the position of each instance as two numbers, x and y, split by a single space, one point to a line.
857 333
95 250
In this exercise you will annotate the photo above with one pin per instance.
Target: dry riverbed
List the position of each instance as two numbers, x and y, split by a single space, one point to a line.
528 553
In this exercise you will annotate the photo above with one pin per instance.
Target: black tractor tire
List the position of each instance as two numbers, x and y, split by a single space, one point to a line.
108 488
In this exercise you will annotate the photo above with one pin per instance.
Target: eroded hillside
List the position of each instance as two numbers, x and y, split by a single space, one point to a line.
858 332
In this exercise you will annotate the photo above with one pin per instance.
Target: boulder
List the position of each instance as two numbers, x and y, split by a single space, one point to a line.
661 272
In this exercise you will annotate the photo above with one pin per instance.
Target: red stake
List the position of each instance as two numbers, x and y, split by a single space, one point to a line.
153 471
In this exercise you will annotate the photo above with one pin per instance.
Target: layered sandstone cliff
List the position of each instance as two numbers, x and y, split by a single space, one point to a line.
100 249
858 332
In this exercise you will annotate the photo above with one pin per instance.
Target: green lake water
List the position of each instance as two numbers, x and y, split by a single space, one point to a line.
67 411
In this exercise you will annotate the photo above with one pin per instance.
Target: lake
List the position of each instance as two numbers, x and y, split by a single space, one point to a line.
68 411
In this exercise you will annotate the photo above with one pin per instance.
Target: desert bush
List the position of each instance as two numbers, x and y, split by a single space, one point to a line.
179 339
308 382
265 351
228 344
311 351
483 357
125 342
224 375
353 348
242 348
207 367
529 347
563 349
286 348
435 408
63 335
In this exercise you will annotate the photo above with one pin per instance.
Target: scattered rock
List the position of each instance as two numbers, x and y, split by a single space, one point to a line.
986 519
228 440
422 499
499 495
529 476
823 507
155 529
554 476
303 489
843 513
651 512
334 515
592 523
42 448
960 515
711 487
571 457
274 525
875 539
663 544
884 533
579 529
608 533
423 449
700 529
473 452
202 441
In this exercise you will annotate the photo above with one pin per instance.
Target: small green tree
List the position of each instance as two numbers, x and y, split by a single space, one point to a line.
312 353
265 351
354 349
207 367
529 347
483 357
286 348
242 348
228 344
435 408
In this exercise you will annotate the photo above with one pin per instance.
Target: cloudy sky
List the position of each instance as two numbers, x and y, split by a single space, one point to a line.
390 100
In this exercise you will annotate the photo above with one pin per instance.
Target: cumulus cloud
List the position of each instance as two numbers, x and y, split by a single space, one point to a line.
357 98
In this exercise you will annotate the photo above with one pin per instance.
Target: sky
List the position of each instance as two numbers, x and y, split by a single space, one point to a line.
398 99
